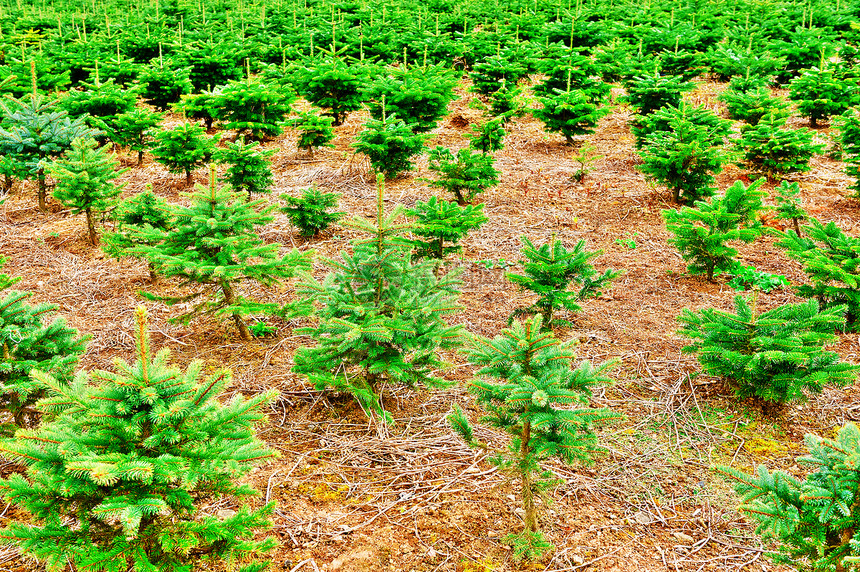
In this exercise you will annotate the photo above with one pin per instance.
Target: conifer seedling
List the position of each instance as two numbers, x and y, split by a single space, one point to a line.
161 86
702 232
213 247
135 130
122 475
33 132
849 136
314 130
419 96
773 149
203 105
788 205
85 181
253 108
488 136
649 93
247 167
530 389
820 93
136 212
814 519
569 113
380 316
549 271
334 86
831 259
183 149
465 175
311 212
390 145
27 342
773 356
442 225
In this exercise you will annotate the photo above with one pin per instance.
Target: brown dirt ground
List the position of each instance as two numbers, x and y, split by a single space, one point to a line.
357 497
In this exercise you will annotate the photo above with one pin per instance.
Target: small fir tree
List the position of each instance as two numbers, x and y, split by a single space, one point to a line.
442 225
714 129
849 136
649 93
536 396
381 317
247 167
203 106
465 175
685 156
85 181
821 92
161 86
772 356
33 132
183 149
788 205
488 136
118 479
831 259
495 72
99 103
135 130
507 102
314 130
27 342
749 99
419 96
311 212
816 519
702 232
136 212
569 113
773 149
550 270
333 85
252 107
390 145
213 247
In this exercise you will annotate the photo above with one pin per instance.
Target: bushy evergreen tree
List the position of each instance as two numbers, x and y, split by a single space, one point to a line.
465 175
442 224
702 232
183 149
99 103
333 85
381 317
713 128
32 132
773 356
788 205
213 247
773 149
311 212
493 72
550 269
529 388
85 181
685 156
138 211
649 93
135 130
849 136
390 145
419 96
247 167
831 259
569 113
488 136
314 130
821 92
203 106
27 342
117 480
161 86
249 106
815 520
507 102
749 99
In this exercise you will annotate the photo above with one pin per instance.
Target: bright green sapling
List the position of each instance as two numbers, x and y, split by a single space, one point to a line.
390 145
465 175
183 149
530 389
442 224
773 356
247 167
314 130
549 271
85 181
311 212
120 478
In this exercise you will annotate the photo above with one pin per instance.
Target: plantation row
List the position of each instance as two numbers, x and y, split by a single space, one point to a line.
119 461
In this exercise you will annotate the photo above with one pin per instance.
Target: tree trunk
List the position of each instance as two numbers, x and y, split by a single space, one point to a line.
230 298
796 226
42 190
569 139
189 178
676 195
140 158
91 227
530 517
